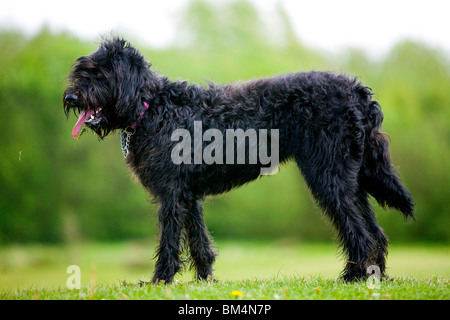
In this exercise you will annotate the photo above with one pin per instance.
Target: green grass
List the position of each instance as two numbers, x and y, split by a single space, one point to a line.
310 288
258 270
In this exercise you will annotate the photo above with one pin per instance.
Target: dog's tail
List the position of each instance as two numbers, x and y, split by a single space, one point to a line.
377 175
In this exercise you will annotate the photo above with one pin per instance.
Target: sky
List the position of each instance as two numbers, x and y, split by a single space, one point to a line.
331 25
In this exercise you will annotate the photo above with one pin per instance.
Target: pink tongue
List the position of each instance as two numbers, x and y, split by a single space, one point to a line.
84 115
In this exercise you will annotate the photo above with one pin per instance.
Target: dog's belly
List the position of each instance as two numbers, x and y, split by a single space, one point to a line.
217 179
199 179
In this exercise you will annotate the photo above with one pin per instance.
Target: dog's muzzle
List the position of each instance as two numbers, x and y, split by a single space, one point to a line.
70 99
89 117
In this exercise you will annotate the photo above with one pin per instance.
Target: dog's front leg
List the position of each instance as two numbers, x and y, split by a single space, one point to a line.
200 242
170 217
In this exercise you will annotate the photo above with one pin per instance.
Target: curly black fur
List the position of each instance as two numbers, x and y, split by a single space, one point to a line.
327 123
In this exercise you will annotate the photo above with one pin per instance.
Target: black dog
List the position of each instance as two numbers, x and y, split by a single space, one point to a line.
327 123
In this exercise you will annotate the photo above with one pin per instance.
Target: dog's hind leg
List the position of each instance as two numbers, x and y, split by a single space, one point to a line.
199 242
380 250
330 165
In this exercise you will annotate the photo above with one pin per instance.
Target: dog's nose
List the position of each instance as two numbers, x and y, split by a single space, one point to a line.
70 98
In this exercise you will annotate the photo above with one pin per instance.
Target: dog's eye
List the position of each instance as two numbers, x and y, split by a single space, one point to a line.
99 75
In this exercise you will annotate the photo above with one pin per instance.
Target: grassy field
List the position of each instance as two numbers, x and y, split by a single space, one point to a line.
244 270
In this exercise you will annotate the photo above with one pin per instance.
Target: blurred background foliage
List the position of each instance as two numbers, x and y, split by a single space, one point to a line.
56 189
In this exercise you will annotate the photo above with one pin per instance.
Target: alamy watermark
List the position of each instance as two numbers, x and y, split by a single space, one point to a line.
235 147
373 281
74 281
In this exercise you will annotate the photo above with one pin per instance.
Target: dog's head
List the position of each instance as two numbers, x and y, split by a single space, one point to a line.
108 88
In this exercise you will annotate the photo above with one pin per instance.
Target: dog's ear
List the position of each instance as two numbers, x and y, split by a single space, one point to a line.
134 83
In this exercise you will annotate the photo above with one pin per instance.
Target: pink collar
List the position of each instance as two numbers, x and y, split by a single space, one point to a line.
126 133
134 125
